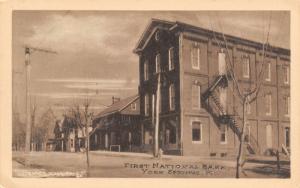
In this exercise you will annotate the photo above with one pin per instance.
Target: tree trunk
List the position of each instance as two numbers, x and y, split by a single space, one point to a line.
241 147
153 122
87 147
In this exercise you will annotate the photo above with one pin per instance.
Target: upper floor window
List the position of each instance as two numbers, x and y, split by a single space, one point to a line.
286 75
246 66
146 70
171 58
247 132
157 63
195 56
287 105
222 62
248 106
268 71
223 134
147 105
172 97
268 104
196 132
196 102
133 106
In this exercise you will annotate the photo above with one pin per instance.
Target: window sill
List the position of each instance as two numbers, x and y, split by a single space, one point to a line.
196 142
223 143
195 68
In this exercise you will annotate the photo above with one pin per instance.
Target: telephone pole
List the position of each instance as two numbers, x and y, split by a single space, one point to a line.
28 52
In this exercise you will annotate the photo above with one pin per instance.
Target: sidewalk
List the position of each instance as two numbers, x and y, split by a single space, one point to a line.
253 161
112 164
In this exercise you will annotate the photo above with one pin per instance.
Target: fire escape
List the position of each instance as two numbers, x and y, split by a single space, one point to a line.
211 102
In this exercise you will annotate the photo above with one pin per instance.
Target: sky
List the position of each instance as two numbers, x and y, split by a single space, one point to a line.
95 50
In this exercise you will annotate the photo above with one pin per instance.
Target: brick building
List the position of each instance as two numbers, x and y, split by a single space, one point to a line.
199 111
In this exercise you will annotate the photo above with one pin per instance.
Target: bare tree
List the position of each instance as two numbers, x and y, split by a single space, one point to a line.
83 119
42 131
18 133
245 98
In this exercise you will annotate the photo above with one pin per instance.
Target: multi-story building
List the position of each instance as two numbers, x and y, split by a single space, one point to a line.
200 111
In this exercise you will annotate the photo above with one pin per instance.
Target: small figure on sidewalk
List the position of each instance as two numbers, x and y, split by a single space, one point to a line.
160 153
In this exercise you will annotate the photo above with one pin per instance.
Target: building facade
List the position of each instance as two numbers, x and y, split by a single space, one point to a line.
200 111
67 136
118 127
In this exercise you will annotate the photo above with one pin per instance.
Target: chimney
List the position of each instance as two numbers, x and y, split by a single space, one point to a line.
115 99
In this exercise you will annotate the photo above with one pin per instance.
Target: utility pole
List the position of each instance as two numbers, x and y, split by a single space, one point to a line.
28 52
156 150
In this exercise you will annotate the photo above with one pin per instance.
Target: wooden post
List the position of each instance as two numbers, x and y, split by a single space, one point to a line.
278 159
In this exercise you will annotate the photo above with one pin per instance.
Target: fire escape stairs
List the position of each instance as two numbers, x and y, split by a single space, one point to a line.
222 116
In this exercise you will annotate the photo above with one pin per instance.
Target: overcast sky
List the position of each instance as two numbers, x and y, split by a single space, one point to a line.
94 50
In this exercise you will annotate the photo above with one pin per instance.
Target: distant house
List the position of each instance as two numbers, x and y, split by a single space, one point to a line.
68 137
118 127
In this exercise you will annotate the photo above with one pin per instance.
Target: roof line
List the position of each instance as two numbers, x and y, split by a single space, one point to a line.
248 42
129 103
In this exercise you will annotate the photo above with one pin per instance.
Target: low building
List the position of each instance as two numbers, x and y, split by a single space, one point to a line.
118 127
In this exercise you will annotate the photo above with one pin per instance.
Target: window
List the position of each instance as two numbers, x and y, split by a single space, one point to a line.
247 133
223 100
157 63
171 58
148 137
147 105
146 76
222 62
246 66
287 137
269 137
171 135
96 139
286 75
196 132
248 106
72 143
196 102
268 101
268 71
172 97
133 106
157 35
195 56
223 134
287 105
